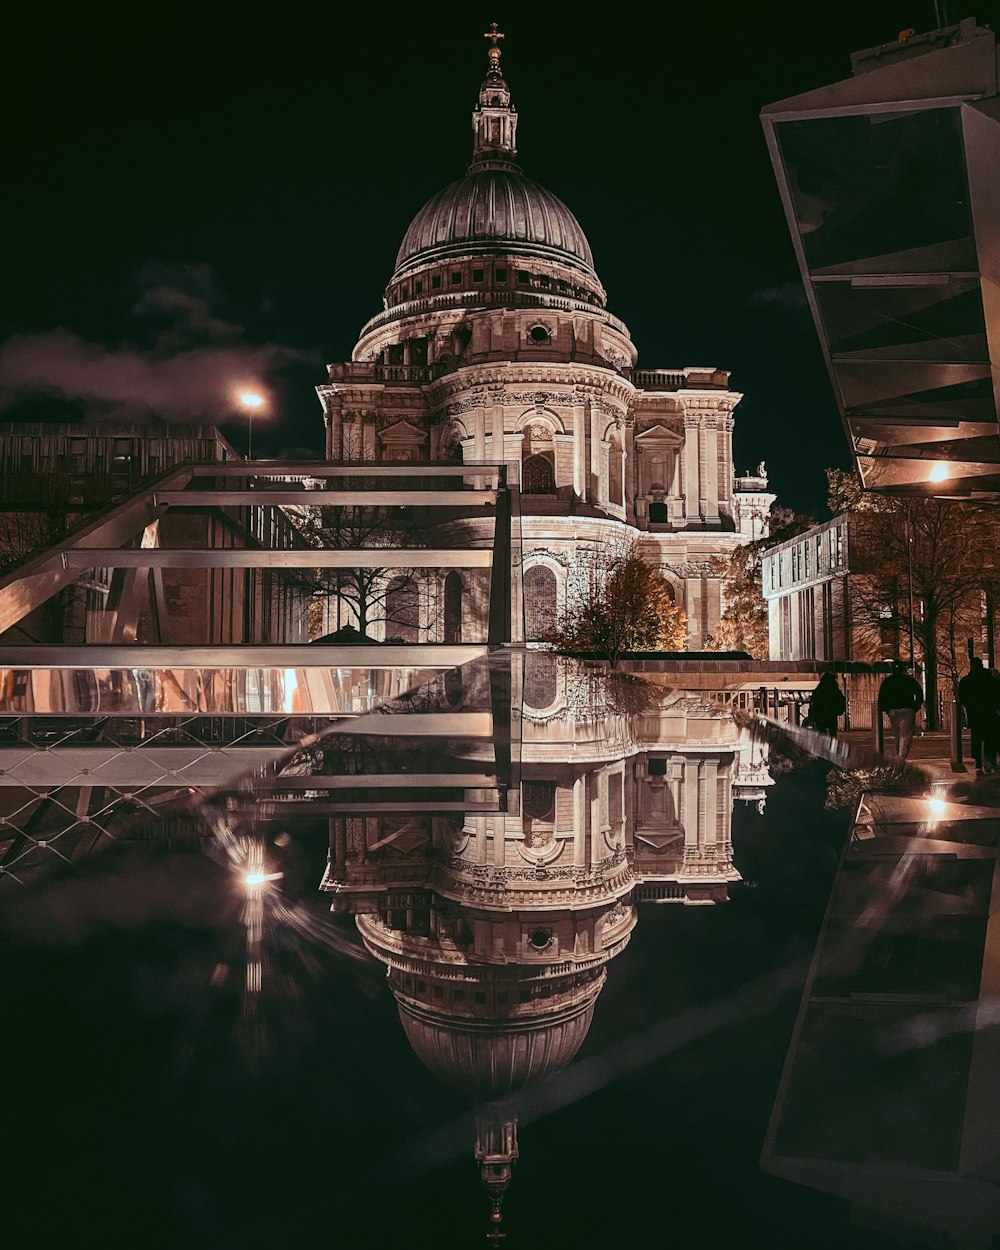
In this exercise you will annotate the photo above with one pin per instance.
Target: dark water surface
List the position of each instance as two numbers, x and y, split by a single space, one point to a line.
136 1115
151 1101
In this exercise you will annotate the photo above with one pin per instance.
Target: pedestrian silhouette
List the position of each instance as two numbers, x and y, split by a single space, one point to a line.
900 698
827 704
979 695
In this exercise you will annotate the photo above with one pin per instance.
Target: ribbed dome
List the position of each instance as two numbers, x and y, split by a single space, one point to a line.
490 209
486 1060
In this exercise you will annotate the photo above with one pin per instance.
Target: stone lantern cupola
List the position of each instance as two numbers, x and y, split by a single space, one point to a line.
494 119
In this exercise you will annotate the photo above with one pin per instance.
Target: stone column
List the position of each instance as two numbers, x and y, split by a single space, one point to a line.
712 592
726 485
370 444
631 486
580 814
580 453
692 606
499 824
479 433
594 460
594 851
690 815
710 460
690 470
726 839
334 430
709 770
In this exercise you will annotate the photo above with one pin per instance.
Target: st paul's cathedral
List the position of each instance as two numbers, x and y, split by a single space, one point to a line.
495 344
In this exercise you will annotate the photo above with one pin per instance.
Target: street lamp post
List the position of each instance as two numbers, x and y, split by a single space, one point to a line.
909 574
251 402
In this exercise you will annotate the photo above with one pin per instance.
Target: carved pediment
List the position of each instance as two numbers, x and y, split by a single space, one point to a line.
402 434
659 435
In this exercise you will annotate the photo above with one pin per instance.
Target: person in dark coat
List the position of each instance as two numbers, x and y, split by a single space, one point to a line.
827 704
900 698
978 695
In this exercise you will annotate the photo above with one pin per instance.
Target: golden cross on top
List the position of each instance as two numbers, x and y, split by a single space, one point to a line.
494 33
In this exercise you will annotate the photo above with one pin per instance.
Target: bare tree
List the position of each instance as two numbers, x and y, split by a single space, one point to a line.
388 594
918 569
616 602
22 532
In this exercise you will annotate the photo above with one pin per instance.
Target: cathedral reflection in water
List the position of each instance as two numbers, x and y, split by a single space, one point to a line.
496 927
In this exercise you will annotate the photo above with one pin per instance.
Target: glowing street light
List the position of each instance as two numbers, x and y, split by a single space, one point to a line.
939 473
251 402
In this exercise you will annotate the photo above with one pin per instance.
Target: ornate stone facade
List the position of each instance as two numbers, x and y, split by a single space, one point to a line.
495 344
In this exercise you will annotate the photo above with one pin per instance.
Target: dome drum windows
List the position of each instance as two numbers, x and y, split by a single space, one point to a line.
538 474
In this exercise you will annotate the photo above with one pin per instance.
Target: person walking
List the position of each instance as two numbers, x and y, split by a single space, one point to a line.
900 698
978 694
827 704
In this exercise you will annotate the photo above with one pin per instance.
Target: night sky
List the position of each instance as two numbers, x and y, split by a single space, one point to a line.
197 203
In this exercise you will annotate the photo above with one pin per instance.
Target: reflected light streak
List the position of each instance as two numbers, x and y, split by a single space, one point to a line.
940 472
291 689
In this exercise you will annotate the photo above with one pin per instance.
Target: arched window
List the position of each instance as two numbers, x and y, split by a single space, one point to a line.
539 602
540 687
616 476
538 460
402 610
453 608
538 799
538 476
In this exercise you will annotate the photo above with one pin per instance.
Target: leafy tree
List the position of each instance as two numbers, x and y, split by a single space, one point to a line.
616 602
844 493
743 625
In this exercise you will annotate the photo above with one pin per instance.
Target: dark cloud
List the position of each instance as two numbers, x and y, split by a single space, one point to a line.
187 362
788 297
182 305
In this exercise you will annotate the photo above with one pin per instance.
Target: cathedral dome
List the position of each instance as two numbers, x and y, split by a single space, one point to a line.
495 208
488 1060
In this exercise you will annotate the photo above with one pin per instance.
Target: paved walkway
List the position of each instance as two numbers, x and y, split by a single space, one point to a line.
929 760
